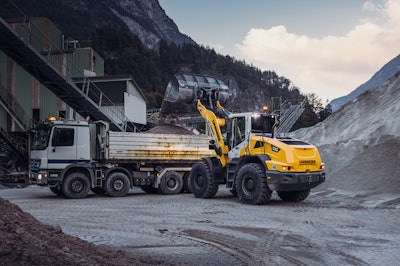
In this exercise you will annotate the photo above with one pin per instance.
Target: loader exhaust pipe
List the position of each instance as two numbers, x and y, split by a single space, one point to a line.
188 88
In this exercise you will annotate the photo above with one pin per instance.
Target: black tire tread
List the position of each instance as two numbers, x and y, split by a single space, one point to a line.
295 196
210 188
264 193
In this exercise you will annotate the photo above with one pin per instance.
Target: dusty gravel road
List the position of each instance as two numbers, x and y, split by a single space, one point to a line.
331 227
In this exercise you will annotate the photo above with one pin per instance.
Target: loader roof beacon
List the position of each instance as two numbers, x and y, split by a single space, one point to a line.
249 159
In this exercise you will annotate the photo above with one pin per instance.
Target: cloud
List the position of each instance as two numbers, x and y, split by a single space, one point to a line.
330 66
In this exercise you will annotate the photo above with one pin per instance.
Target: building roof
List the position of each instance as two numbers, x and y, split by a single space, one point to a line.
113 86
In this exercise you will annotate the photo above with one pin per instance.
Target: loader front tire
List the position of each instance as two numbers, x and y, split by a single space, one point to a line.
202 182
251 185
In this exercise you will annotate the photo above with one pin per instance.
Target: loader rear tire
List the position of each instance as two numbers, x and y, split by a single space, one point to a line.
171 183
117 184
202 182
251 185
294 195
76 186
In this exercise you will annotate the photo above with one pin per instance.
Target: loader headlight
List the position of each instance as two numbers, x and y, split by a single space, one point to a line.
274 148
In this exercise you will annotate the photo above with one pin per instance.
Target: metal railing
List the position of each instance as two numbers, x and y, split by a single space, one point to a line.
35 39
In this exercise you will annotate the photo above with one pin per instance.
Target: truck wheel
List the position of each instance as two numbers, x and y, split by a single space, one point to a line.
186 183
149 189
171 183
294 195
98 190
57 190
202 182
76 186
117 184
251 185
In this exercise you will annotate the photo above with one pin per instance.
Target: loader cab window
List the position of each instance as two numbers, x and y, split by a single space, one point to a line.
239 130
63 137
262 124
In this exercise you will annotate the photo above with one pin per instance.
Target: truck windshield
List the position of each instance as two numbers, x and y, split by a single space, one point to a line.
41 137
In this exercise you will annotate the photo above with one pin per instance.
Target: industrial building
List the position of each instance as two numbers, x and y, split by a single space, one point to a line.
43 73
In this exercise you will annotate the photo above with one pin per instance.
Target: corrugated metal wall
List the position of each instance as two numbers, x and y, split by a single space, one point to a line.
27 91
3 73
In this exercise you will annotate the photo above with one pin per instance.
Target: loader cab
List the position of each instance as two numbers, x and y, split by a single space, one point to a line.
243 125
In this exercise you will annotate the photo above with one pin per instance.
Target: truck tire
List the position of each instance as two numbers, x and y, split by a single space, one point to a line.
98 190
149 189
202 182
57 190
251 185
294 195
171 183
186 183
76 186
117 184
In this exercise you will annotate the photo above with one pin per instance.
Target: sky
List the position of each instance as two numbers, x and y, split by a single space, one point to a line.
326 47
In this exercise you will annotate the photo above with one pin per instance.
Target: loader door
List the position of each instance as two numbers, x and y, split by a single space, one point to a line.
238 137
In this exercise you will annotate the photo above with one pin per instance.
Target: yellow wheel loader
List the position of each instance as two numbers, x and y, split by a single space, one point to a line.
250 160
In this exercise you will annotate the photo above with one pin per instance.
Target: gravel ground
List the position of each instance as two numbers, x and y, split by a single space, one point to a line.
330 227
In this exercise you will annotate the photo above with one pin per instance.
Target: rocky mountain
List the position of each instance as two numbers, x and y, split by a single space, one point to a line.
80 18
136 37
377 80
149 22
360 143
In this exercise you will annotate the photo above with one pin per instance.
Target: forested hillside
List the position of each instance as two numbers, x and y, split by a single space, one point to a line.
125 53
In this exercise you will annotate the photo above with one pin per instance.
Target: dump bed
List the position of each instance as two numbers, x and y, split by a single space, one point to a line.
129 146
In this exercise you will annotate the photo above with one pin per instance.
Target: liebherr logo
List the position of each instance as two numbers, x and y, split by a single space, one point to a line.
302 162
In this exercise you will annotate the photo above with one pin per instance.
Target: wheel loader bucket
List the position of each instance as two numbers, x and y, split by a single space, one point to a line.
187 88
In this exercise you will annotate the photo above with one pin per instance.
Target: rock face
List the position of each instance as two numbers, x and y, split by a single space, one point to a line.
360 143
148 21
144 18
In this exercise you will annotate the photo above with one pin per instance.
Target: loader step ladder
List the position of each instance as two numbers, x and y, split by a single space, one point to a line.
91 103
230 182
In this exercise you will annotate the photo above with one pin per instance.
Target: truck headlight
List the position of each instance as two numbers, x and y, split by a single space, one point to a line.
39 176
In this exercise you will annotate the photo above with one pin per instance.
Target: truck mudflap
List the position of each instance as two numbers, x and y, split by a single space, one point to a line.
279 181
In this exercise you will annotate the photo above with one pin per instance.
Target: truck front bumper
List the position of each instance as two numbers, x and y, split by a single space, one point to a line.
279 181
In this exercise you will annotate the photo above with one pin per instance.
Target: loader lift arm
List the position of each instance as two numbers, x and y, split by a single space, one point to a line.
215 124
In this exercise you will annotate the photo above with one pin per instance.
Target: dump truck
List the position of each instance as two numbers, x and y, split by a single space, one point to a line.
74 157
249 158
